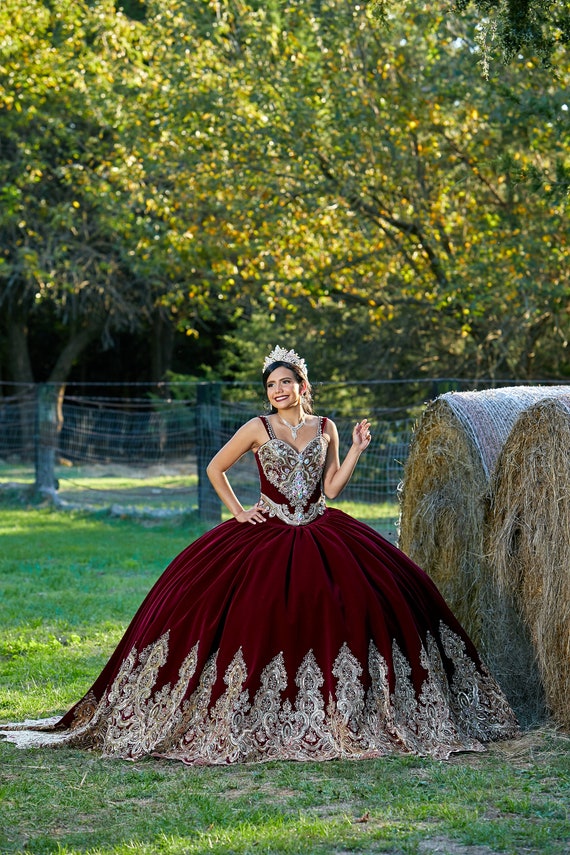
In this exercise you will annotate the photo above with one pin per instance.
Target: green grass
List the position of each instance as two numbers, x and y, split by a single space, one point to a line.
101 476
382 516
68 585
151 487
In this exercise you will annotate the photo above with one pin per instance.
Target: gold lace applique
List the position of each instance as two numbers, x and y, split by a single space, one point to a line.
297 517
296 475
475 696
424 721
84 711
131 717
362 719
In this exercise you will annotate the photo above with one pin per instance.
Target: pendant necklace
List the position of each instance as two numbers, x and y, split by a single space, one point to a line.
294 428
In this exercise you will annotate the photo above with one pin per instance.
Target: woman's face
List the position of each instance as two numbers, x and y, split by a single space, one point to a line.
283 389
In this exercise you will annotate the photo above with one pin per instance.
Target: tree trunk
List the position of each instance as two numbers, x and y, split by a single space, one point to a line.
76 344
20 369
50 409
162 345
18 352
47 433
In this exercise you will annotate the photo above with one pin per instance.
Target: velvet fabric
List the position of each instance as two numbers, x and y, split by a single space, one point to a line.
300 638
274 588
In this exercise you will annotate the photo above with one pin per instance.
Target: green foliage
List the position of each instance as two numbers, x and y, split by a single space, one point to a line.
509 28
530 27
256 169
416 220
65 169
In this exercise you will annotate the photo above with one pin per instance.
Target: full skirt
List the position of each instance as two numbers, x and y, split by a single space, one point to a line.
280 642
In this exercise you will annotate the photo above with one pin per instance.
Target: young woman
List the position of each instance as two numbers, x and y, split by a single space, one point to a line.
291 631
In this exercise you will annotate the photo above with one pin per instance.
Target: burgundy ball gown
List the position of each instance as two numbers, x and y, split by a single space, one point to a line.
307 637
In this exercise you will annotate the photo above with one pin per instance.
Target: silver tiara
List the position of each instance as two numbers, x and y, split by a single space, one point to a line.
279 354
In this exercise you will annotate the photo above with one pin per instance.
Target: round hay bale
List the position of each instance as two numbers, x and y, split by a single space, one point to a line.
444 499
528 537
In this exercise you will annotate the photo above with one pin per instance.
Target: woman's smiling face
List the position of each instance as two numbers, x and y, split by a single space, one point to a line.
283 389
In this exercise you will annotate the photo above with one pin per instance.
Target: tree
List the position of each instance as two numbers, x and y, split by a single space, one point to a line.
393 185
64 176
533 28
287 164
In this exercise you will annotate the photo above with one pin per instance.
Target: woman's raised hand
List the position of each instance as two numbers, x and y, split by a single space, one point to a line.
361 435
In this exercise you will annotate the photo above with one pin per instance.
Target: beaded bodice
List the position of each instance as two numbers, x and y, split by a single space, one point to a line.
291 480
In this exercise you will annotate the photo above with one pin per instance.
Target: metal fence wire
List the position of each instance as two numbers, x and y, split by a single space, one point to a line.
150 452
147 452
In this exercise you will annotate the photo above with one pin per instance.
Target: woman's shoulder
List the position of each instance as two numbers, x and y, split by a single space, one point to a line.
255 423
328 428
251 428
326 421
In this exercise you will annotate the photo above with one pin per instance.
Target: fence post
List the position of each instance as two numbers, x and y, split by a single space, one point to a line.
46 440
208 434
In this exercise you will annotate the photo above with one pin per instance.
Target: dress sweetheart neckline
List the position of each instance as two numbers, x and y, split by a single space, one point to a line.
288 444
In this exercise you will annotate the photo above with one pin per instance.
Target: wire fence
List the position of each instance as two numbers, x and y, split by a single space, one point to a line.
146 453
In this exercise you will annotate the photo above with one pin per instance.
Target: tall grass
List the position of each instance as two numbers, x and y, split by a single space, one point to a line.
69 583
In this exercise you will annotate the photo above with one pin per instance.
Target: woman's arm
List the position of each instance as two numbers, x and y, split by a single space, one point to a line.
247 438
337 475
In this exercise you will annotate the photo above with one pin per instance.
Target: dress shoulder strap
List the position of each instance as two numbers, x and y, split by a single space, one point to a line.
268 428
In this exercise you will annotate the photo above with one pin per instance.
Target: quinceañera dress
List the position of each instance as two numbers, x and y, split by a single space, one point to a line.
306 637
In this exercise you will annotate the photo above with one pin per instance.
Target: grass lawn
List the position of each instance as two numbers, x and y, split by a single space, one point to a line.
69 583
149 488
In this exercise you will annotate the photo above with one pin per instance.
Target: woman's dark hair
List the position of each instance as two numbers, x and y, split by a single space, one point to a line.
307 396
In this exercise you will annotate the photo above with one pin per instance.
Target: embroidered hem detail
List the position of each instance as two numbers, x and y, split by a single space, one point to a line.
133 720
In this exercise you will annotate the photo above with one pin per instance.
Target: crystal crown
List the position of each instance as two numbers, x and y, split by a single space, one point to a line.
280 354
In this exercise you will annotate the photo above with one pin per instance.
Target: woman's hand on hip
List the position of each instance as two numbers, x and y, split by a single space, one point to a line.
252 515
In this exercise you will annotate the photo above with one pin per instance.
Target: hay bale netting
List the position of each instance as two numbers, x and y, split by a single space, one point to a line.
443 505
528 535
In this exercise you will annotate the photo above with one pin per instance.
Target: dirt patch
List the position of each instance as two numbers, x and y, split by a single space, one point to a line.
451 847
